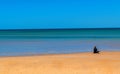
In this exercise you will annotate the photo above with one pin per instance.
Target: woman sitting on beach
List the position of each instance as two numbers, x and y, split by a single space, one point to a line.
95 50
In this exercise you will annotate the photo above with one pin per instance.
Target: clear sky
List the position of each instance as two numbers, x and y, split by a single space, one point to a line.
32 14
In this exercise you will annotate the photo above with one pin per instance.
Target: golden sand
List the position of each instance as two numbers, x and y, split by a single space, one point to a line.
79 63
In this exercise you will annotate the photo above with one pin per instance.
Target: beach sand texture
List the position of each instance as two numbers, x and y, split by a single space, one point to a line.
77 63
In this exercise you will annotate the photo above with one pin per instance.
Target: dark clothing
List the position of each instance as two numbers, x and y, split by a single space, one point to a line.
95 50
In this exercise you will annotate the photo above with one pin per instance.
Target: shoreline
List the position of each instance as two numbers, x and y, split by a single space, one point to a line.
50 54
44 54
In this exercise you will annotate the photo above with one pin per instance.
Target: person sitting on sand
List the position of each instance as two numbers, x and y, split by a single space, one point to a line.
95 50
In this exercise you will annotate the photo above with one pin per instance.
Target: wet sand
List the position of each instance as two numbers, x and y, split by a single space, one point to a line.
76 63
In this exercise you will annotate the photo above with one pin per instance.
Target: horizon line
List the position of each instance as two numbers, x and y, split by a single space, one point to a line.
57 29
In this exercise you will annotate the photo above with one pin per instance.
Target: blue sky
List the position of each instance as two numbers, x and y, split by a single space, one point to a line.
32 14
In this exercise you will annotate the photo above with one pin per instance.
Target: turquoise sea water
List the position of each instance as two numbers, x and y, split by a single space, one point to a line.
28 42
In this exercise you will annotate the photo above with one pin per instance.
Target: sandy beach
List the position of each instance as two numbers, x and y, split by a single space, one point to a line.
76 63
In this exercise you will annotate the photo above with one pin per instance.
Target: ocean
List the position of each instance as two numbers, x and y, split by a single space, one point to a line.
57 41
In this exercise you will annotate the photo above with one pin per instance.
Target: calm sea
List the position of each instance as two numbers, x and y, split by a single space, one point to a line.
28 42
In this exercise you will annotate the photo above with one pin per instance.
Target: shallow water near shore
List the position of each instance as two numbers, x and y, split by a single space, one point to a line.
15 43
